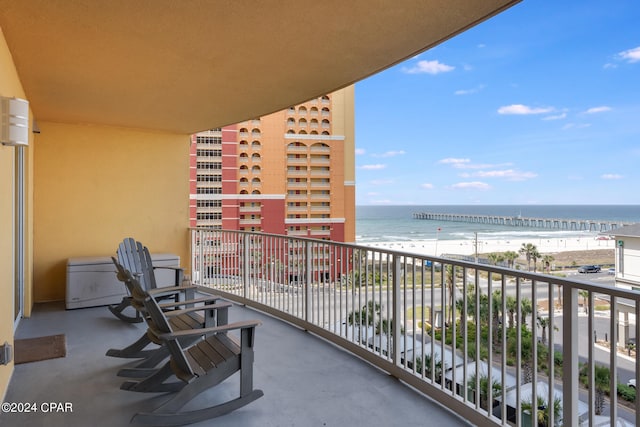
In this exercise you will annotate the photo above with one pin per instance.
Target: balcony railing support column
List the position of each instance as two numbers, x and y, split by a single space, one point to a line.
397 309
570 357
246 264
308 284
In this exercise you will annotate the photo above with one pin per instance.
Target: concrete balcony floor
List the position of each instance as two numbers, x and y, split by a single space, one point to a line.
306 381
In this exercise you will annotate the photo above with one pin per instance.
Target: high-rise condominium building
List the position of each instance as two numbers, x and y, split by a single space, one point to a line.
290 172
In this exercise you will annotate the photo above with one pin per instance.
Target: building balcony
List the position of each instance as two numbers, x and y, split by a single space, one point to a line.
389 367
250 208
250 221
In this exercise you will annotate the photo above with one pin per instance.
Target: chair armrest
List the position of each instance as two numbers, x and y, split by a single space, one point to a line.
207 331
220 305
169 290
191 301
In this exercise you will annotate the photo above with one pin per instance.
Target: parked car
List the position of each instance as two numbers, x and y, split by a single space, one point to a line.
589 269
611 271
632 383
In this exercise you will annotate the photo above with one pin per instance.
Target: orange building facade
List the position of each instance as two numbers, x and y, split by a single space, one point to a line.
291 172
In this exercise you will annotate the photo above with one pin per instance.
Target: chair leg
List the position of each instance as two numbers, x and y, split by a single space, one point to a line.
147 366
117 311
154 383
133 351
181 418
168 414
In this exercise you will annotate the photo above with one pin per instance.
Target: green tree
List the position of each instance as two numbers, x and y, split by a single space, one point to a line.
528 250
525 348
512 307
543 322
546 261
424 367
510 257
601 377
535 255
496 389
495 258
542 410
364 317
526 308
585 299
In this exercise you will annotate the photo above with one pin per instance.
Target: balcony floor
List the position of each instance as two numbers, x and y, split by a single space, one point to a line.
306 381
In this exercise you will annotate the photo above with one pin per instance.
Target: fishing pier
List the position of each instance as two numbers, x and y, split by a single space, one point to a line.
520 221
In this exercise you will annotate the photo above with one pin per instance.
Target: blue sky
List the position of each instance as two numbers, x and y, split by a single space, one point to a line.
538 105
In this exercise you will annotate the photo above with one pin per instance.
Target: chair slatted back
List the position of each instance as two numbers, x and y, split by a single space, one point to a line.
135 257
156 320
159 324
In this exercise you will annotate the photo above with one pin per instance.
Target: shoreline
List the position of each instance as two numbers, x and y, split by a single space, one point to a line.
467 247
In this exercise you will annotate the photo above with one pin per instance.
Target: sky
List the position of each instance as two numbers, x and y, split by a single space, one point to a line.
537 105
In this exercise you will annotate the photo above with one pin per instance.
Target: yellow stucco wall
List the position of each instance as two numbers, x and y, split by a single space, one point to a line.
95 185
10 86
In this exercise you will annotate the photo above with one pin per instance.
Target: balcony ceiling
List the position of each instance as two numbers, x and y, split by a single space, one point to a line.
187 66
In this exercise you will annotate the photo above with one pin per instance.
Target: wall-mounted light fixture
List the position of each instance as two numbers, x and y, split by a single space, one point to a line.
14 121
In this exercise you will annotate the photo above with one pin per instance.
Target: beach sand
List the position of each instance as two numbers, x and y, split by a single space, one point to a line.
467 247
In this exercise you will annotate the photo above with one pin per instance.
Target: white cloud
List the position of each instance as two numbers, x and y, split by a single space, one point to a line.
519 109
382 181
611 176
469 91
426 186
510 174
630 55
429 67
373 167
360 151
475 185
457 163
595 110
466 164
390 154
576 126
556 117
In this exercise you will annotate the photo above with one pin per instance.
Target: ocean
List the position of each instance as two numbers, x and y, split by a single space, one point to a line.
396 223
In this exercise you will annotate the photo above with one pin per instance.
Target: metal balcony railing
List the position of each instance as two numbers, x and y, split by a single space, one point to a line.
492 344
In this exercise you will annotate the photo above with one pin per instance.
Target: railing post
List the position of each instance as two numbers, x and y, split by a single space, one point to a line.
308 273
397 311
570 356
246 264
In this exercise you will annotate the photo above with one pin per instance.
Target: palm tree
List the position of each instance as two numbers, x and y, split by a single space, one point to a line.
364 317
585 299
496 389
601 383
510 257
547 260
512 307
528 249
423 366
542 410
535 255
525 349
544 322
526 308
495 258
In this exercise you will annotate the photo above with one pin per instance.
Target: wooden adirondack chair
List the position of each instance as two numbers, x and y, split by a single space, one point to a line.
198 368
135 257
182 315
